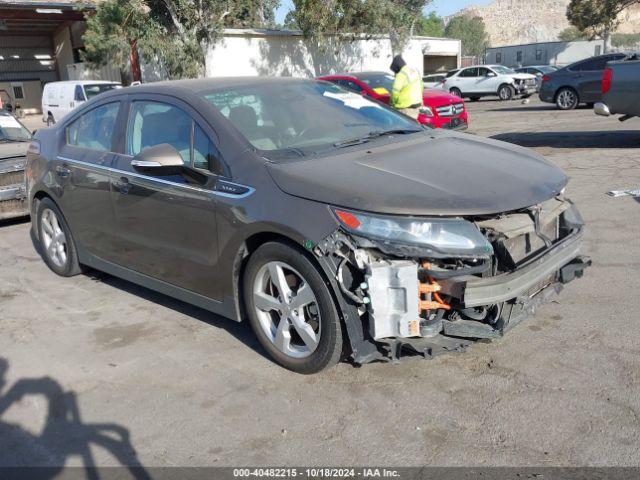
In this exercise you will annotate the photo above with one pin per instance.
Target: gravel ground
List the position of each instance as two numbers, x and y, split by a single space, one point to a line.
97 370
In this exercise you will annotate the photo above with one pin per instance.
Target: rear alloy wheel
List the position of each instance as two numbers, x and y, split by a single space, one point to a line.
456 91
506 92
567 99
291 309
58 249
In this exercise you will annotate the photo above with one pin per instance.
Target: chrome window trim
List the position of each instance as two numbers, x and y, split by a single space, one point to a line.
249 191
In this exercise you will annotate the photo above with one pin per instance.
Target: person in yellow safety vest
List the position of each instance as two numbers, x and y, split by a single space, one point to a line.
407 88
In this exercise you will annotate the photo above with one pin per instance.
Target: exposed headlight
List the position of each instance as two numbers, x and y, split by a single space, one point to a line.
426 111
444 236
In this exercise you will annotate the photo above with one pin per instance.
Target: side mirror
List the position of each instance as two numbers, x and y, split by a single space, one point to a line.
161 157
491 74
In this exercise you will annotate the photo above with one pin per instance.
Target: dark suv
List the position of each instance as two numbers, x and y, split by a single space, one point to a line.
578 83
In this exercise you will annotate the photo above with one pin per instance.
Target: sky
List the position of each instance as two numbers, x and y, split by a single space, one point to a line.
441 7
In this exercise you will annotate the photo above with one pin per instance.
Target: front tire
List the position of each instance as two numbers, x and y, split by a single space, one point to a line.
506 92
58 249
291 309
567 99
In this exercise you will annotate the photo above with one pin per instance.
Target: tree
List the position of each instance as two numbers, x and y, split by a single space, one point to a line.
351 18
430 26
116 34
176 34
598 18
471 31
399 19
571 34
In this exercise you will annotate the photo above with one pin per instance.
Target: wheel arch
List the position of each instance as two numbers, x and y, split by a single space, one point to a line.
350 321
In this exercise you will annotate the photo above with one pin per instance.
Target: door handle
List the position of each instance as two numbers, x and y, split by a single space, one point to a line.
122 185
63 171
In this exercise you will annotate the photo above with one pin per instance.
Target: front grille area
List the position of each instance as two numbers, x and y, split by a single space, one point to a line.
450 110
522 247
11 178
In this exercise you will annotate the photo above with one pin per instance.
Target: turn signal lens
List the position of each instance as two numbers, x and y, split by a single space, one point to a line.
348 219
34 147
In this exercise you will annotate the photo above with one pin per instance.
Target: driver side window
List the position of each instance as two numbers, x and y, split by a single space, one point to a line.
153 123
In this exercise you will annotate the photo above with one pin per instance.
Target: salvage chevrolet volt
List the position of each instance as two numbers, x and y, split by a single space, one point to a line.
331 222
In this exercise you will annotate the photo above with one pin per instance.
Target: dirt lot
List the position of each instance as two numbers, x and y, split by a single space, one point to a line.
159 382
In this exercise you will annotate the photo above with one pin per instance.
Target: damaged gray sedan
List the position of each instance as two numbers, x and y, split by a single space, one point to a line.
332 223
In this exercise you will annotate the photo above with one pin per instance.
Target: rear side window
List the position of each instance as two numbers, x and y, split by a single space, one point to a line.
94 129
469 72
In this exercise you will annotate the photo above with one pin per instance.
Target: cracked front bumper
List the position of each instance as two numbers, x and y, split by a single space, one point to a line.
477 291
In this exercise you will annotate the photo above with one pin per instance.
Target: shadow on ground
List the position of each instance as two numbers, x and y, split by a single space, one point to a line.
64 434
240 330
577 140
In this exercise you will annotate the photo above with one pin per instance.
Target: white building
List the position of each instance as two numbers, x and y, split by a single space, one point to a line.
547 53
286 53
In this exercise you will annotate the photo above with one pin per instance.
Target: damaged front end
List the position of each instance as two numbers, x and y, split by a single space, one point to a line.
432 286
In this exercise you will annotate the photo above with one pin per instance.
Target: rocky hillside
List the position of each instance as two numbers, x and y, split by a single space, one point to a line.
512 22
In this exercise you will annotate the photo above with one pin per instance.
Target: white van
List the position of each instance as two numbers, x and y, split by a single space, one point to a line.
59 98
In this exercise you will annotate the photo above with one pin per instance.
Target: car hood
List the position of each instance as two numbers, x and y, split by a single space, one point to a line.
438 98
13 151
435 173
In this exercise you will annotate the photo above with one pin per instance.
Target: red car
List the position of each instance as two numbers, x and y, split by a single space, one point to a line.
441 109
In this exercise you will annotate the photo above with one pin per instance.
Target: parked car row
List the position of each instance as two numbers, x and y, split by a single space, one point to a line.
578 83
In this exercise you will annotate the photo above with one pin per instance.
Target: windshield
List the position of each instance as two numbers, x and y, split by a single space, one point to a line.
502 70
377 80
309 114
96 89
12 130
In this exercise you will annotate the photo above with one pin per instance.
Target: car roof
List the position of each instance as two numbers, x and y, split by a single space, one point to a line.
192 88
83 82
356 74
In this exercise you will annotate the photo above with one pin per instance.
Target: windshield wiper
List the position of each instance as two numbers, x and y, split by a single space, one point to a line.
373 134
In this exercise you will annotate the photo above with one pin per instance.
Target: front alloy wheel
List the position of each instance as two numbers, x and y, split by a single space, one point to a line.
291 309
567 99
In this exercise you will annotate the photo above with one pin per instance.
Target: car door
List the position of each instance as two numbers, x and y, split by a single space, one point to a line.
167 223
466 80
484 82
83 174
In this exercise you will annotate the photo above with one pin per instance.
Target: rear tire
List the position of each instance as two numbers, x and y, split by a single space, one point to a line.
567 99
456 91
58 249
291 309
506 92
